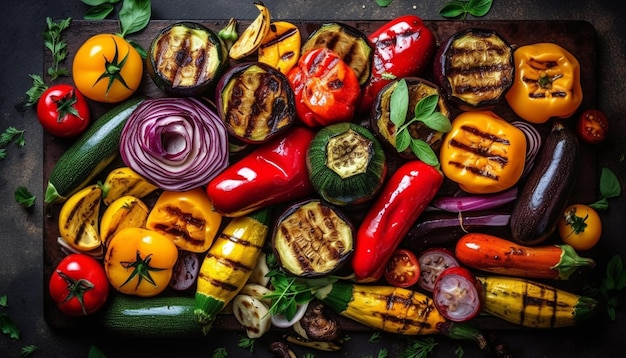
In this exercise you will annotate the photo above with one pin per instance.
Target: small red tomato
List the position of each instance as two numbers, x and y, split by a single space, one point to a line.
432 263
403 269
458 294
592 126
79 285
63 111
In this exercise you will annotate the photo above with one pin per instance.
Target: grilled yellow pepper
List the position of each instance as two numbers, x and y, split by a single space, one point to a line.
78 219
127 211
281 46
393 309
140 262
533 304
483 153
228 265
125 181
187 218
547 83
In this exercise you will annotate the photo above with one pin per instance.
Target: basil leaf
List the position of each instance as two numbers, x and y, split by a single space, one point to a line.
99 12
424 152
609 184
479 8
399 103
426 106
134 16
403 140
99 2
453 9
384 3
437 121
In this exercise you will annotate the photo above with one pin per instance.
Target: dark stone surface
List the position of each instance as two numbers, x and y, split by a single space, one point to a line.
21 231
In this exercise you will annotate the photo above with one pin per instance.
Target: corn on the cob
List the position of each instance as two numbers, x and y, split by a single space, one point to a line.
533 304
393 309
228 264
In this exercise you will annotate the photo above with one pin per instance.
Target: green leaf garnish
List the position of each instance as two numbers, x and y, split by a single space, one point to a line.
609 188
461 8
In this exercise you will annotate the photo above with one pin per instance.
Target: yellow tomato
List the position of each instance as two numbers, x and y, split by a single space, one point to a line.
107 68
580 227
140 262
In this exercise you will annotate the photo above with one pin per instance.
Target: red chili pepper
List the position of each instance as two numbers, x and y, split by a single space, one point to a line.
273 173
402 47
402 200
325 87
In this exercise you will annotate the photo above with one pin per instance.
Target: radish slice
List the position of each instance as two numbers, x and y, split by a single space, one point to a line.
457 294
432 263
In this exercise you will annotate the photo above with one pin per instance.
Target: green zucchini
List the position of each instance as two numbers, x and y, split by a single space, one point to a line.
186 59
96 148
156 317
346 164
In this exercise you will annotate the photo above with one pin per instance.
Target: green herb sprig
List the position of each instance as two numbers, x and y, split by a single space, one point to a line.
24 197
134 15
287 294
609 188
611 286
53 41
425 112
247 343
461 8
11 134
28 349
7 325
219 353
419 348
384 3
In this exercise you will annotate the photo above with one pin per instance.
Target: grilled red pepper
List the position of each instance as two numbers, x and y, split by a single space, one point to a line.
402 47
325 87
402 200
273 173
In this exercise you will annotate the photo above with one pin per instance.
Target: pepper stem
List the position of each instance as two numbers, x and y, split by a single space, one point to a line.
456 330
570 261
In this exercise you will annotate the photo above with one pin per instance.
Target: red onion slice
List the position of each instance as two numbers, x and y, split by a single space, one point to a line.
177 144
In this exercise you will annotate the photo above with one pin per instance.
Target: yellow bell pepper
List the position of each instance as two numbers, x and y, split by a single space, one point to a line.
187 218
483 153
140 262
78 219
547 83
281 46
126 211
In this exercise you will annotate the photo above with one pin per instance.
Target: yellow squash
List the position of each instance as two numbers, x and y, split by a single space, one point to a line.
533 304
78 219
251 38
281 46
125 181
228 265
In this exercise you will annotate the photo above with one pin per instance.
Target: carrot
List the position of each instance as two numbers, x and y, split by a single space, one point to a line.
497 255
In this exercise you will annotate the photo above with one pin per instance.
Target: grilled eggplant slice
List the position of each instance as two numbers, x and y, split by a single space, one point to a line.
186 59
474 68
312 238
255 101
346 164
348 42
385 129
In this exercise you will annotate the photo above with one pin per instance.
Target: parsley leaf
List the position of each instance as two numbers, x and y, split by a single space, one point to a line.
219 353
419 348
7 325
247 343
57 46
38 88
24 197
375 337
461 8
609 188
9 135
28 350
425 112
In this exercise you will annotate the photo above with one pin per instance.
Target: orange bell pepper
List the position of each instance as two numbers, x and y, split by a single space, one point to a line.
483 153
547 83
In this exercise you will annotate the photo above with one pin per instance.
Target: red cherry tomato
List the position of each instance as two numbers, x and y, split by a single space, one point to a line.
432 262
63 111
403 269
592 126
458 294
79 285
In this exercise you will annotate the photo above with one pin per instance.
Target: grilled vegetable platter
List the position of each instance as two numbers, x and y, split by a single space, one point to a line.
322 168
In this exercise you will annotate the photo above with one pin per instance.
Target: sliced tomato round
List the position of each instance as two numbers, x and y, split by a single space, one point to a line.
432 263
403 269
592 126
458 294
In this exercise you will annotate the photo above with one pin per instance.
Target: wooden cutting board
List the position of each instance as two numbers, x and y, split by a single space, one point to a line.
576 36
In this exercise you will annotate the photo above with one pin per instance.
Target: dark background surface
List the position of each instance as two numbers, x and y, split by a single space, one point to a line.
21 232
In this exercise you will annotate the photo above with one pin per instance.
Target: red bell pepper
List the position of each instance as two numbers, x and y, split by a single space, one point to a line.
325 87
273 173
401 202
402 47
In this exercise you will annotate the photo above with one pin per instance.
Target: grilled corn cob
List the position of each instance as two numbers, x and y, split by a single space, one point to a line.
533 304
228 264
394 310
